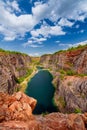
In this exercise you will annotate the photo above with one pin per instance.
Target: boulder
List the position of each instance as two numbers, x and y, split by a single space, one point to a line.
16 107
53 121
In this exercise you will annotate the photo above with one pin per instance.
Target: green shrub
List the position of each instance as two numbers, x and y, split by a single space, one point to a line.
11 52
62 101
70 72
77 110
21 79
62 71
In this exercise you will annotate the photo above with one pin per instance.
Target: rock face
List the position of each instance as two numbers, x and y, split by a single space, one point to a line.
16 107
54 121
58 121
71 94
71 91
12 66
75 60
16 113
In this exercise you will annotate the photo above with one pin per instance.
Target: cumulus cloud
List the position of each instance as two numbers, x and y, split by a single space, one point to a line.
65 22
69 45
13 26
46 31
31 42
12 6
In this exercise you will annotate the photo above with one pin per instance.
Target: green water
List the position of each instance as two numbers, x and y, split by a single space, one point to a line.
41 88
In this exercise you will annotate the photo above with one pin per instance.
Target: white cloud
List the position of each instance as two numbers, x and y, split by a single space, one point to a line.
72 9
14 26
32 42
80 43
38 40
46 31
65 22
40 10
12 6
66 46
34 54
57 41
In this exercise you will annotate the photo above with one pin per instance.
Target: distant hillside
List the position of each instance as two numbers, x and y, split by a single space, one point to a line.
74 59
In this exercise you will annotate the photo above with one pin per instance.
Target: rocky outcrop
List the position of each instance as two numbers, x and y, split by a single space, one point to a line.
69 69
16 113
71 94
75 60
16 107
12 66
54 121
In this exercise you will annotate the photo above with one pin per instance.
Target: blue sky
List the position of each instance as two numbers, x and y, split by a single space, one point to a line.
37 27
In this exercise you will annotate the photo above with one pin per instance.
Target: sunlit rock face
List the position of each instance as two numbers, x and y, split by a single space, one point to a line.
54 121
12 66
16 107
69 69
75 60
16 113
71 94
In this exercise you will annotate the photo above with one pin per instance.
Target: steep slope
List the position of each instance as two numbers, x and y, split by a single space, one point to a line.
13 66
73 59
71 94
69 69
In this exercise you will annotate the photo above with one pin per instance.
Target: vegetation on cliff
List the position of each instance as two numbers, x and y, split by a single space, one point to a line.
12 52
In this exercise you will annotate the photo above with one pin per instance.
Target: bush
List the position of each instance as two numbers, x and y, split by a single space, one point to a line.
21 79
70 72
77 110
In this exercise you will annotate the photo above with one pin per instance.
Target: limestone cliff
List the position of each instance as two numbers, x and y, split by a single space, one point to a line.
12 67
69 69
74 59
71 94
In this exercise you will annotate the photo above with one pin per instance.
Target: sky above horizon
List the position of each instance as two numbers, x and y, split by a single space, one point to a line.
38 27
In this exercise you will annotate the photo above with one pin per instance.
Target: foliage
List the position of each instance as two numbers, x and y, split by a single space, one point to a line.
62 101
77 47
12 52
60 51
70 72
82 75
62 71
71 49
77 110
21 79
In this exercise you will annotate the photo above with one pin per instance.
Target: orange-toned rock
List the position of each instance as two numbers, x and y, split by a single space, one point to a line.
59 121
16 114
54 121
16 107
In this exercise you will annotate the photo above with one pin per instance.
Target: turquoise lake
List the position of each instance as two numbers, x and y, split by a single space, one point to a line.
41 88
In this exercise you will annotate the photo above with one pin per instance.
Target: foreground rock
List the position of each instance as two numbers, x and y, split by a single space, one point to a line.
16 114
54 121
16 107
59 121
